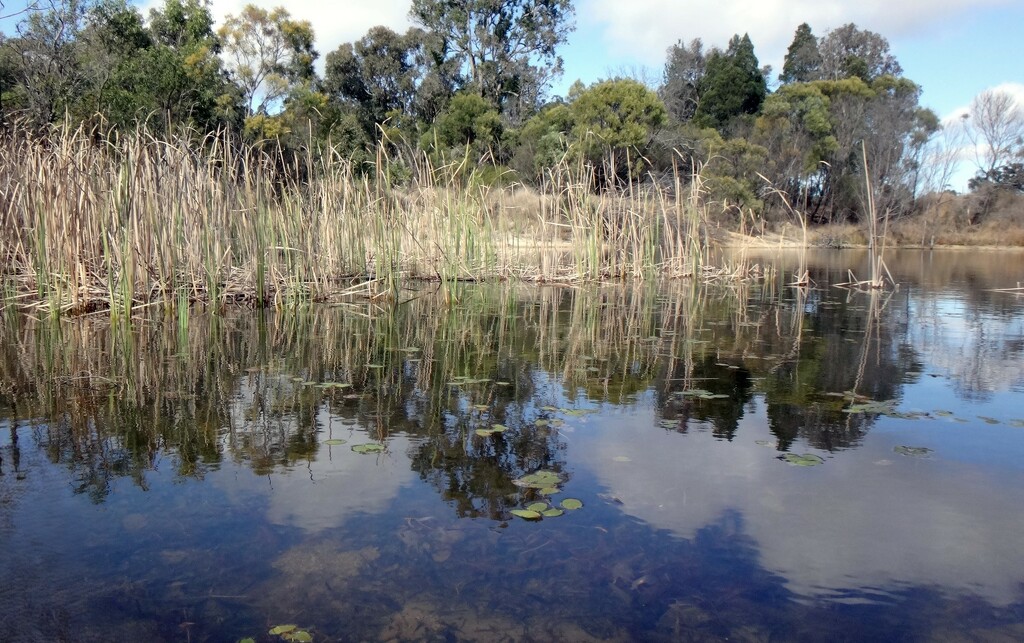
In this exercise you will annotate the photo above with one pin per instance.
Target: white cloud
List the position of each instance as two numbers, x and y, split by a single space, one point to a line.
643 29
333 22
867 518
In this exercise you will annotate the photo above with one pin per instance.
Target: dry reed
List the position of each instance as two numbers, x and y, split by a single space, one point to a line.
122 221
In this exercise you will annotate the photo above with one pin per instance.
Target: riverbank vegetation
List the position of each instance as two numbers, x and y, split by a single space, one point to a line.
168 158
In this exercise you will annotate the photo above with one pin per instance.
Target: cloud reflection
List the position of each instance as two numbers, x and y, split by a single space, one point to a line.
868 520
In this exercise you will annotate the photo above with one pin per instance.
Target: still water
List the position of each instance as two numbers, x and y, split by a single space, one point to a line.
748 462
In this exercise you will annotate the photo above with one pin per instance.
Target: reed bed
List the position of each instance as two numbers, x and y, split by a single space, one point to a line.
122 221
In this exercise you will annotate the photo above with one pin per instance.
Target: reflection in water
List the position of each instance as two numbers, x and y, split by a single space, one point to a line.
355 469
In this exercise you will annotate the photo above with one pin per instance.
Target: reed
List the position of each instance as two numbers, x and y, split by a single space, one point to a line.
119 221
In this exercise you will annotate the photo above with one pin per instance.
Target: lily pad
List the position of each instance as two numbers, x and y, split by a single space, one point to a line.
549 408
335 441
883 407
805 460
498 428
299 636
541 422
552 513
283 629
572 504
988 420
914 452
484 433
537 506
370 447
526 514
539 480
549 491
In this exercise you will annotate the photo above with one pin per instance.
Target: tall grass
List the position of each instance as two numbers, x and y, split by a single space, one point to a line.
116 222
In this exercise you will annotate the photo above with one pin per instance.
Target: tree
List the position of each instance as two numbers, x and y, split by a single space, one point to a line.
46 59
803 60
684 70
388 77
507 49
470 129
613 121
732 85
267 53
178 79
849 52
996 129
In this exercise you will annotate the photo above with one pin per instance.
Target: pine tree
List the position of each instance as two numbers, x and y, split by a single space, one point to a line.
803 60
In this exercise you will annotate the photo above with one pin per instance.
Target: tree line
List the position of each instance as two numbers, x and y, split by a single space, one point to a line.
469 84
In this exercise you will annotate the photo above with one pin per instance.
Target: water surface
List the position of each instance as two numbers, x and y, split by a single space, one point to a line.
754 462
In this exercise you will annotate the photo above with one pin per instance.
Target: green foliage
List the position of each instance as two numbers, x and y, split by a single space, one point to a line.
469 129
732 85
268 53
850 52
388 80
506 49
803 59
613 121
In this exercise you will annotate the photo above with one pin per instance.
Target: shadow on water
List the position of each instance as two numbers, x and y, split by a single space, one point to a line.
361 471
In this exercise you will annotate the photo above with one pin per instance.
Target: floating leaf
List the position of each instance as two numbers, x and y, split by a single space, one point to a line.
885 407
335 441
549 491
301 636
371 447
552 513
247 639
1016 423
549 408
541 423
988 420
484 433
572 504
805 460
944 414
498 428
537 506
283 629
914 452
526 514
539 480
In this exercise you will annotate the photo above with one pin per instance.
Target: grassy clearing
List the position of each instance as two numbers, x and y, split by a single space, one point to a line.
88 224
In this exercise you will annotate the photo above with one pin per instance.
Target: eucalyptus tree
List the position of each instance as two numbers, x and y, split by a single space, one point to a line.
267 53
506 50
995 126
684 70
46 61
390 80
848 52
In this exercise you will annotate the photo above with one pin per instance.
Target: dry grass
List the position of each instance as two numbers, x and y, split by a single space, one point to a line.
89 223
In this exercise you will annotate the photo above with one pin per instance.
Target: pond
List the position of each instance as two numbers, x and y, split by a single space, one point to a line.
745 461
